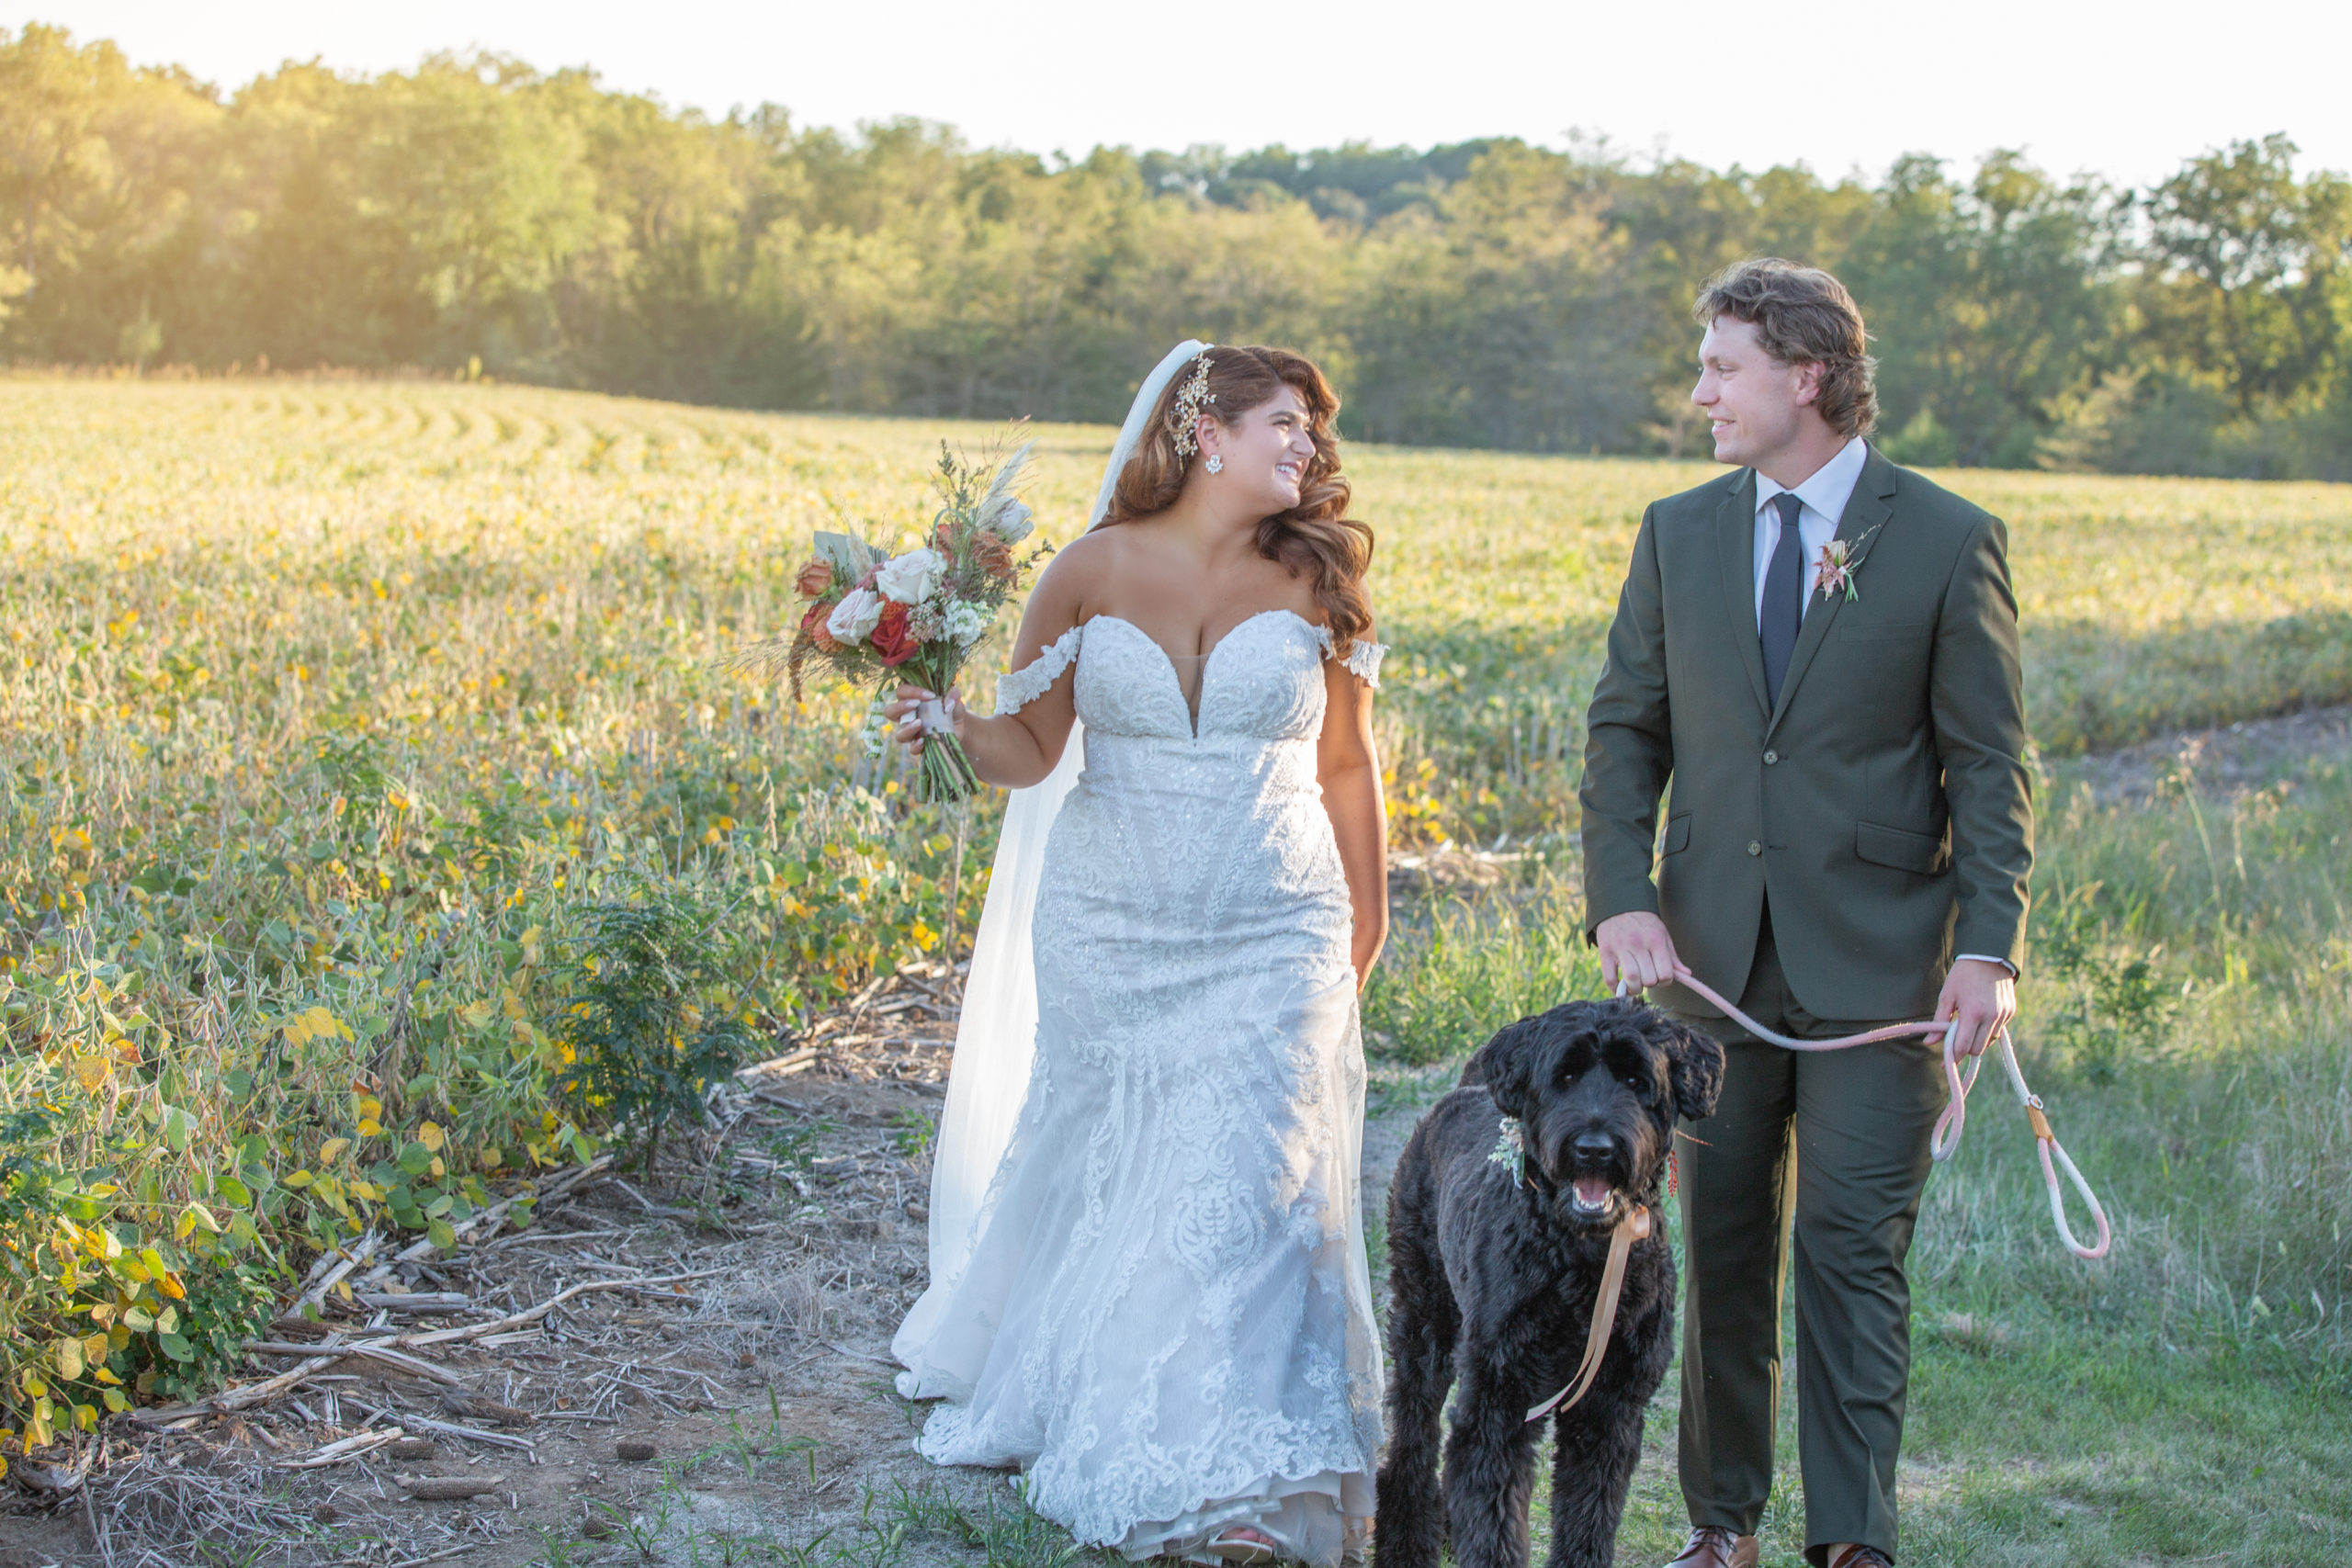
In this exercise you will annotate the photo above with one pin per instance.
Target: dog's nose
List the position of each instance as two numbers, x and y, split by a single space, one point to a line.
1594 1146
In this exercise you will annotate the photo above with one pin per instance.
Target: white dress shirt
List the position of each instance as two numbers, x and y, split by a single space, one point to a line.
1823 499
1822 504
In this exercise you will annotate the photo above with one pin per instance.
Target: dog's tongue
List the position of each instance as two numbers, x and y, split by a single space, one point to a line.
1592 1191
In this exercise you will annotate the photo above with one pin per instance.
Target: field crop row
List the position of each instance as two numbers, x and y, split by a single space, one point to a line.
337 717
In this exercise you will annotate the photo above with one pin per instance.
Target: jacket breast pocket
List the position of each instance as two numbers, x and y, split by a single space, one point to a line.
1922 854
1677 835
1850 630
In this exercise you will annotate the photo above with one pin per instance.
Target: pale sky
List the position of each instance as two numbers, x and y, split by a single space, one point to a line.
2127 90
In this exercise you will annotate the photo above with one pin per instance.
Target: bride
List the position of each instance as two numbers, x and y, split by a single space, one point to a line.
1147 1277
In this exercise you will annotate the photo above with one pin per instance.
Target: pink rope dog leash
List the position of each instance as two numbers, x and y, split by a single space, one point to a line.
1955 1119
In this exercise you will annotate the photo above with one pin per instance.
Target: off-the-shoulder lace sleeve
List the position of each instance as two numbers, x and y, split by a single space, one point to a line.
1362 660
1016 689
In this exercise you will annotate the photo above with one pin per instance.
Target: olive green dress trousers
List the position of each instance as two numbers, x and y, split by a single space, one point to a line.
1837 1141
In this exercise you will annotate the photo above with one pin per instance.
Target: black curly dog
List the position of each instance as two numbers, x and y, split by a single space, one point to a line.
1493 1282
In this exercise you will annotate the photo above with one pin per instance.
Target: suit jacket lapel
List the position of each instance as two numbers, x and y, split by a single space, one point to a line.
1866 510
1735 541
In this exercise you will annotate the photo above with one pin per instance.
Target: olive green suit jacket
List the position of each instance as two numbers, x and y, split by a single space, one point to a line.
1883 805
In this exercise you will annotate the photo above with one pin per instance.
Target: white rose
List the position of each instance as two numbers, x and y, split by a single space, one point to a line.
1008 521
911 578
858 613
965 622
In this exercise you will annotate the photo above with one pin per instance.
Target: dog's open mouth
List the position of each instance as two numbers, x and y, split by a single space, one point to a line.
1589 1194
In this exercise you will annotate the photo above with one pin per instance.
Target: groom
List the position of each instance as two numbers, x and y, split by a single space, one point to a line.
1847 845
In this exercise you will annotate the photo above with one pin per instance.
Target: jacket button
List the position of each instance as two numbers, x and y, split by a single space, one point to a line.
1754 848
1771 758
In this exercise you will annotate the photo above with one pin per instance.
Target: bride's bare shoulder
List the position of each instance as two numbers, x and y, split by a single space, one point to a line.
1083 567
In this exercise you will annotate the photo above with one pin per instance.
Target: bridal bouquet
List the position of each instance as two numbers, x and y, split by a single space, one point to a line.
914 616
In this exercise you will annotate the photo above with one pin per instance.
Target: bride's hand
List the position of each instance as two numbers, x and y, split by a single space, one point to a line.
904 710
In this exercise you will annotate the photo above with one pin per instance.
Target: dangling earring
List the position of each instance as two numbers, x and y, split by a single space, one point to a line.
1215 464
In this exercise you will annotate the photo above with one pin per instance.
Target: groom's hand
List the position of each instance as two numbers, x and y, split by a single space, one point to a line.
1635 948
1983 996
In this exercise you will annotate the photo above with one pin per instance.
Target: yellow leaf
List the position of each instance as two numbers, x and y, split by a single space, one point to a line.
332 1150
530 940
431 1137
69 1358
370 1106
343 1289
439 1170
115 1402
90 1071
94 1350
169 1285
105 1377
102 1312
476 1014
169 1321
369 1126
187 1225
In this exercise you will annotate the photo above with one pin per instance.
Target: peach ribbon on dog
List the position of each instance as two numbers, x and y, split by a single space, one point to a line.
1955 1113
1634 1227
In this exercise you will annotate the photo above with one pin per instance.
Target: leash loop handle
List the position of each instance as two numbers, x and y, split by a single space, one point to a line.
2053 1149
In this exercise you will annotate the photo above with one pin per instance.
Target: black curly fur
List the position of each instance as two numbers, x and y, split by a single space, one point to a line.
1492 1284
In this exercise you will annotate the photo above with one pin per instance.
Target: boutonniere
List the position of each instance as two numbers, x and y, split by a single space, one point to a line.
1840 559
1511 1150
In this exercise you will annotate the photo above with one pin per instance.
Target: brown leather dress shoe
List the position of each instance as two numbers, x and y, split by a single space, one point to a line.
1711 1546
1849 1555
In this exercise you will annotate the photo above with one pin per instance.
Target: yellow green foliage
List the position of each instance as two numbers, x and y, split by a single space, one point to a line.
329 709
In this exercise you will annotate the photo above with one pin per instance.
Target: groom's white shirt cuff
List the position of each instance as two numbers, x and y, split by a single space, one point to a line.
1981 958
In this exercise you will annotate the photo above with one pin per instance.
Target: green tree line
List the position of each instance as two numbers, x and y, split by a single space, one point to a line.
477 213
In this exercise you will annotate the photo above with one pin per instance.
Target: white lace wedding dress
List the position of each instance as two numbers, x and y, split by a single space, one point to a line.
1165 1320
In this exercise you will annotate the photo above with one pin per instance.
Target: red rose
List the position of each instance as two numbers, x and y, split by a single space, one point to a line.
892 638
813 623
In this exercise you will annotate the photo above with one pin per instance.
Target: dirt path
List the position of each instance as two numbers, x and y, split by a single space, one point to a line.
763 1387
2231 759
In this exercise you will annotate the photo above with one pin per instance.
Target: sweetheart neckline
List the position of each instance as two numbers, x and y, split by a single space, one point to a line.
1168 659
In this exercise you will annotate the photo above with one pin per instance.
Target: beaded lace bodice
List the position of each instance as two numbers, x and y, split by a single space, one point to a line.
1132 673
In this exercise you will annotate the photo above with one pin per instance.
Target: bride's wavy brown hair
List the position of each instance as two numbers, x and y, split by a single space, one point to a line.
1316 537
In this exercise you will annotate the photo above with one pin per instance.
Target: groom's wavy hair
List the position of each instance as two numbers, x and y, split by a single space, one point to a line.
1802 315
1316 538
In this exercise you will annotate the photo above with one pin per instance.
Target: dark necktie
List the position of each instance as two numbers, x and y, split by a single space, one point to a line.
1784 611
